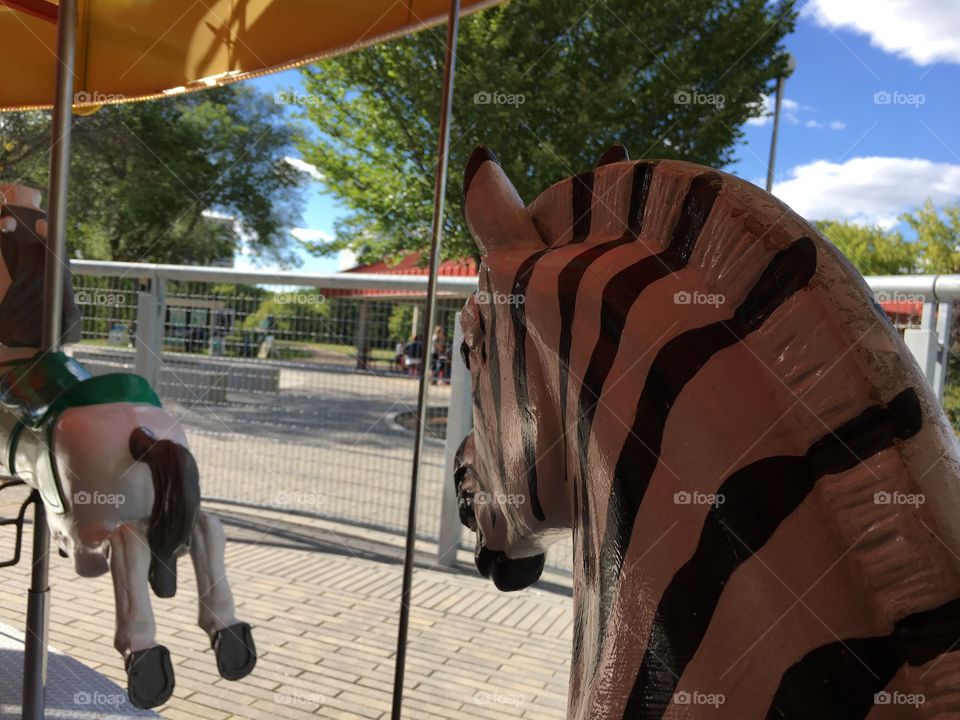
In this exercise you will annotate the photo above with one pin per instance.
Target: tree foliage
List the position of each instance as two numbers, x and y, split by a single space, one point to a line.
872 250
146 176
938 237
548 85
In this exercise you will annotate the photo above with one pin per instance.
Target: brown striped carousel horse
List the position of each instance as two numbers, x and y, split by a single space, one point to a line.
761 487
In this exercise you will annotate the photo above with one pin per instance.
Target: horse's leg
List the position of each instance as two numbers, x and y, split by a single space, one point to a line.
149 671
231 639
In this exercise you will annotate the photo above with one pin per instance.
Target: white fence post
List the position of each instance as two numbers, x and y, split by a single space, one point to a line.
923 343
459 422
944 326
149 335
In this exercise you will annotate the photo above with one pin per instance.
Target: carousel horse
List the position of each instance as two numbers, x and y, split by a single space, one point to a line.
118 482
761 487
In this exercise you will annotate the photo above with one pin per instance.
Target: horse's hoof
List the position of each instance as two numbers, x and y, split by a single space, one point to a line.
235 651
149 677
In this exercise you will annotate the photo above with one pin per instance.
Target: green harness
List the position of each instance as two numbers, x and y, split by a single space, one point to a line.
40 388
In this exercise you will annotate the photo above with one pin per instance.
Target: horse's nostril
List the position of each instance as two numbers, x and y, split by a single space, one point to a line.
468 515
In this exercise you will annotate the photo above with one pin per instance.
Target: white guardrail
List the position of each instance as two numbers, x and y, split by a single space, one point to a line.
930 344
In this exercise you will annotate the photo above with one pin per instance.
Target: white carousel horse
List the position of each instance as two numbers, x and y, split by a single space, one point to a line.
119 485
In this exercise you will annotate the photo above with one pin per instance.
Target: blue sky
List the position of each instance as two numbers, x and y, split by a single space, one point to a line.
869 127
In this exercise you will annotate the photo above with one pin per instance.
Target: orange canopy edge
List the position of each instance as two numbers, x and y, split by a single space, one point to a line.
141 49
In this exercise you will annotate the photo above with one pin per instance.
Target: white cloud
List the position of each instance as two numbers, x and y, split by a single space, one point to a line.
832 125
925 31
311 235
867 190
304 167
790 112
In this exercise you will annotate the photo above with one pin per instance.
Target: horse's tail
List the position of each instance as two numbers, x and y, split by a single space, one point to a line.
176 503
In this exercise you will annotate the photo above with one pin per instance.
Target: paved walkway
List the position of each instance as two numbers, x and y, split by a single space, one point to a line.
323 600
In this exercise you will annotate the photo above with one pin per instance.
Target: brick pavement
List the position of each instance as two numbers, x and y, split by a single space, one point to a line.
323 599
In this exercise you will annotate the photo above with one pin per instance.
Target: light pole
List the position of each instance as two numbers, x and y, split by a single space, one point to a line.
791 64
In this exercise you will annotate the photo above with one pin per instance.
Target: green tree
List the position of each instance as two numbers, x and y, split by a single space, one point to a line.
938 236
872 250
548 85
146 177
293 315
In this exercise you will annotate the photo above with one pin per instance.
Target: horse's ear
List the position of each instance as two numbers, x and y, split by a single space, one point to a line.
495 212
613 154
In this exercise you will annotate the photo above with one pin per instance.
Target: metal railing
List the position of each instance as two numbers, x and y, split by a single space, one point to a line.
288 385
294 394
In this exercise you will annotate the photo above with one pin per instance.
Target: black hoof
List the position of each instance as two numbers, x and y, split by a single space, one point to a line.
235 651
149 677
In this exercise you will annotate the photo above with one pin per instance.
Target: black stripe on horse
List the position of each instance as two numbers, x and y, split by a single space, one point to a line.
841 681
756 500
677 362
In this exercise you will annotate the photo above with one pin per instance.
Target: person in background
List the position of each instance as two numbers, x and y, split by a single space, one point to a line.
438 354
398 356
413 355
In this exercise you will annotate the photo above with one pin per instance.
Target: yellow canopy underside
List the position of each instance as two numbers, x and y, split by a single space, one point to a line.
138 49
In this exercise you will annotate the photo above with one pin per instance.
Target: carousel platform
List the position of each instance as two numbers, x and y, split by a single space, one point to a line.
322 598
74 690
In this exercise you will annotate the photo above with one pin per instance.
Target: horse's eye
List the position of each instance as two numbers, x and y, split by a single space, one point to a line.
465 354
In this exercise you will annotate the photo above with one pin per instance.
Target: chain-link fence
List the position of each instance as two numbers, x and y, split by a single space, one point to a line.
303 398
293 398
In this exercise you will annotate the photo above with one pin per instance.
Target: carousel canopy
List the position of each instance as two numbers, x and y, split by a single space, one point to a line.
139 49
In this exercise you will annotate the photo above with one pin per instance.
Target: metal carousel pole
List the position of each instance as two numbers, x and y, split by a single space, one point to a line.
38 604
443 152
